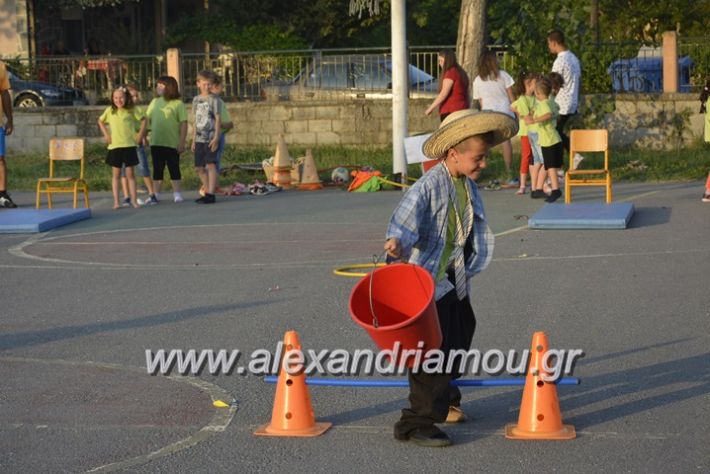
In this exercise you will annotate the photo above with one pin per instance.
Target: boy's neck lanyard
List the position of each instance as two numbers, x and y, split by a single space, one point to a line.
467 223
460 238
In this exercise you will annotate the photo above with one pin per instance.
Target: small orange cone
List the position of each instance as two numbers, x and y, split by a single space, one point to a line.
282 165
309 179
292 414
540 416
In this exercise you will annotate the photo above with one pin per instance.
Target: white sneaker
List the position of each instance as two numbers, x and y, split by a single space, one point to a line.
142 202
177 197
577 160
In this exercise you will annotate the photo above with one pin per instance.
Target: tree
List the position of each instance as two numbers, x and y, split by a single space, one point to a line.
472 35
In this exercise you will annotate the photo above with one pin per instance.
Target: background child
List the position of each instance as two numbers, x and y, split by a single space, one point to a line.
142 157
6 127
167 118
227 123
205 138
705 109
123 121
522 106
550 141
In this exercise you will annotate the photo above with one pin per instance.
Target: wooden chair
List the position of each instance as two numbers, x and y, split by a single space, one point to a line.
588 141
64 149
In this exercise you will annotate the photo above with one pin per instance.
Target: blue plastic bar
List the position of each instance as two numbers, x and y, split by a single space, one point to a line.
404 383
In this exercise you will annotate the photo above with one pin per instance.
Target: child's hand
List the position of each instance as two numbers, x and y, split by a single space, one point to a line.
393 248
180 148
529 120
139 138
107 139
192 147
214 144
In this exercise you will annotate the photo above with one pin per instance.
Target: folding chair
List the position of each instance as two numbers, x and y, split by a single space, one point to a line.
64 149
588 141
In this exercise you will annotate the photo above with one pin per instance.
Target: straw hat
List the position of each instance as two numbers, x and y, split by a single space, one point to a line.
463 124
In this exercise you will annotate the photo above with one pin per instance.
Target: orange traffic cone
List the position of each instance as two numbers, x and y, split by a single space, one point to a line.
282 165
540 416
292 414
309 179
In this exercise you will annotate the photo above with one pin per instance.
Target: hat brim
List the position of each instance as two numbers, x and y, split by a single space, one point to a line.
463 124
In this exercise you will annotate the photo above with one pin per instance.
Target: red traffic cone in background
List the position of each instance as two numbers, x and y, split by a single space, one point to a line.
292 414
540 416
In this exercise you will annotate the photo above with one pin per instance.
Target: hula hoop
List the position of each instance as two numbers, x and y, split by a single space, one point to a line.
393 183
346 270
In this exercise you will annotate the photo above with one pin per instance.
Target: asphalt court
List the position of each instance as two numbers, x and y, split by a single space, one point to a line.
83 302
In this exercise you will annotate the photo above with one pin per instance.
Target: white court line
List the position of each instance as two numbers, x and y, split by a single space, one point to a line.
206 242
219 422
600 255
18 249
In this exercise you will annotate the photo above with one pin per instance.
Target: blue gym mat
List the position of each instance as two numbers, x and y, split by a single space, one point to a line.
583 216
20 221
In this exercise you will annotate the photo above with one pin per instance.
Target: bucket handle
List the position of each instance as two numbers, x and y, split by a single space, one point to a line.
375 260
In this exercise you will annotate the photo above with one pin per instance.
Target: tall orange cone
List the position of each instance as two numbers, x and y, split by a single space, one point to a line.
540 416
282 164
292 414
309 178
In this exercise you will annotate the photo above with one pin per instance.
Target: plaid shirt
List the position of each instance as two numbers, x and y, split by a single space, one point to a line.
420 221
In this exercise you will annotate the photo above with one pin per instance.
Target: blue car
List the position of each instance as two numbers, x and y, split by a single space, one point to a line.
42 94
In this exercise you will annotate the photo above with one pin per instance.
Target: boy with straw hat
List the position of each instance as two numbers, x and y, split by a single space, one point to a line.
440 225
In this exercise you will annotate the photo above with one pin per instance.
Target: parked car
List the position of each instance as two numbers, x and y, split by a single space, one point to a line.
357 75
27 93
360 73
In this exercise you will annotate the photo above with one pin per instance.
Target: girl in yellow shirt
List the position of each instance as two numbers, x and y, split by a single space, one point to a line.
118 125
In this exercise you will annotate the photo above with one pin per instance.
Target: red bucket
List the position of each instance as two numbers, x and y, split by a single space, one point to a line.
404 308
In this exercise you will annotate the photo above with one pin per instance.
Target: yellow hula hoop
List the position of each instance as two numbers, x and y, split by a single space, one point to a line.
346 270
387 181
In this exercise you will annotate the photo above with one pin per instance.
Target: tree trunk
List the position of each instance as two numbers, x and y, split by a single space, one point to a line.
472 35
594 20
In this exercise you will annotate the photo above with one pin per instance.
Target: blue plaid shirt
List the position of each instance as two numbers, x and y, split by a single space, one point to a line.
420 221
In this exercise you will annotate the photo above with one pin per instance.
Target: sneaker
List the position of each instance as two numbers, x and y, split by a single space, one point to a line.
706 197
428 437
455 415
126 202
152 200
493 185
513 182
142 202
576 160
177 197
537 194
206 199
554 195
6 202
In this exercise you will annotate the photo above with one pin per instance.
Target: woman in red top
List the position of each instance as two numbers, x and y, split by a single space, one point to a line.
453 87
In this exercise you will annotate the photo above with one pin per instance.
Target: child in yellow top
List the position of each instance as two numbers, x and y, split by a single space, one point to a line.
545 117
530 155
122 125
705 109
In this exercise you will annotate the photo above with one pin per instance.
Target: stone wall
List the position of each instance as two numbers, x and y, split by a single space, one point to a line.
645 121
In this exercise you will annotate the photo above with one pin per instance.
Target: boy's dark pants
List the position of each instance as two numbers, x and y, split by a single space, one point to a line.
430 394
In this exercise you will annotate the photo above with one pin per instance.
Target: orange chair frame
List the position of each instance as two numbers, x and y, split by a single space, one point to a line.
588 141
63 149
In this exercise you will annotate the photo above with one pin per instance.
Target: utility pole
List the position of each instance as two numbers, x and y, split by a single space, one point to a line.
400 85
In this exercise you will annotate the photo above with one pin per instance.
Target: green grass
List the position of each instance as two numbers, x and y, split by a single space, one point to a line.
631 165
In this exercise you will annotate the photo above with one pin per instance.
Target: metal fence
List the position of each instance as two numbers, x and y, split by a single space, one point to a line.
698 50
260 75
